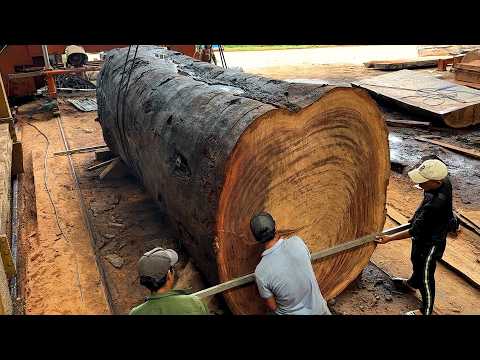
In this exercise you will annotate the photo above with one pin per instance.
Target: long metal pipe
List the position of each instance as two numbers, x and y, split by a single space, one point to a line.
45 57
13 283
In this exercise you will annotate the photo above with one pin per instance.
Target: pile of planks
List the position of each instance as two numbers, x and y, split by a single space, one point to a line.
468 71
455 105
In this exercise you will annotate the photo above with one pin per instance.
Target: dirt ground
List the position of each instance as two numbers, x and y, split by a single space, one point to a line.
126 222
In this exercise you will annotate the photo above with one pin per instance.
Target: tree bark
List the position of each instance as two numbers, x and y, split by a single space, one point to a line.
215 146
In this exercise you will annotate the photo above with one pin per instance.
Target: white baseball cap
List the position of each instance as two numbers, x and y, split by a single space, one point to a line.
432 169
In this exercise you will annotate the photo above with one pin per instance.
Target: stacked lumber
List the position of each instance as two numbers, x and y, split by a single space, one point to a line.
215 146
455 105
400 64
468 70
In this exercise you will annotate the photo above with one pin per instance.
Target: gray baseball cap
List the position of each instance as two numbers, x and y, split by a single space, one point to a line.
157 262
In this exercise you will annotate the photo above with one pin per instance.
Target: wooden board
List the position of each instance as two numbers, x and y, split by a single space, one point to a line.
457 106
215 146
6 255
467 75
472 65
468 84
17 158
5 194
401 64
468 152
459 253
408 123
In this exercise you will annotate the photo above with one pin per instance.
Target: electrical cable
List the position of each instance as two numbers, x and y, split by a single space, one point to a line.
57 219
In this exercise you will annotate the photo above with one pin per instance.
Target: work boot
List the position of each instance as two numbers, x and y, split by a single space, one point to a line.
403 285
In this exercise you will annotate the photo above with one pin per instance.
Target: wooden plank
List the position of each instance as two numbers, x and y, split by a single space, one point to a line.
458 256
472 65
17 158
81 150
468 152
400 64
102 164
468 84
408 123
115 169
457 106
467 75
7 259
469 219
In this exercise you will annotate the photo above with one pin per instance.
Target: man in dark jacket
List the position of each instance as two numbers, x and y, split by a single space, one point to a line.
430 225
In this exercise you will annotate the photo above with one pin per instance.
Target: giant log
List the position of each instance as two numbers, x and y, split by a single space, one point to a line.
215 146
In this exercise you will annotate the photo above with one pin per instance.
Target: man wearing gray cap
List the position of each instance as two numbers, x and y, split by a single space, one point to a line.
285 277
432 221
156 270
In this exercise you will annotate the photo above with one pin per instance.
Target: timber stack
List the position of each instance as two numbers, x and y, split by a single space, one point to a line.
215 146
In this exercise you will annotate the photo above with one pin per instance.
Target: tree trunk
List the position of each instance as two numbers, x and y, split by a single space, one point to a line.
216 146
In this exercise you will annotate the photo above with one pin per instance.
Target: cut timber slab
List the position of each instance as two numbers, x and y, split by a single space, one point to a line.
17 158
467 75
470 218
401 64
459 254
468 152
457 106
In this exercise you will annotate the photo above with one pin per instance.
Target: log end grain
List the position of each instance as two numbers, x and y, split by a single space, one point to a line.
322 173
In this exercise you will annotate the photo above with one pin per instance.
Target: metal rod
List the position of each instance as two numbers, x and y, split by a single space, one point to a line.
80 150
246 279
45 57
85 217
13 283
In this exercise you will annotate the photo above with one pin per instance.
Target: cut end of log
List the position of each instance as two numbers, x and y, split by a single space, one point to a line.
322 173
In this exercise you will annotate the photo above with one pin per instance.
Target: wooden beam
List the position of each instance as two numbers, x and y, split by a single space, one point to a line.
102 164
467 222
408 123
80 150
6 254
468 152
17 158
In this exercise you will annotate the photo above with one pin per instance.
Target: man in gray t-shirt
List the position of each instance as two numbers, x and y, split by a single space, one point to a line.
285 276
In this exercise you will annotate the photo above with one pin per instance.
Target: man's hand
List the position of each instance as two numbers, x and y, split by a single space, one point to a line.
382 239
271 303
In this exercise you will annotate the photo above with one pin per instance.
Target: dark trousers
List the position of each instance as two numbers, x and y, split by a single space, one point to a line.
424 261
